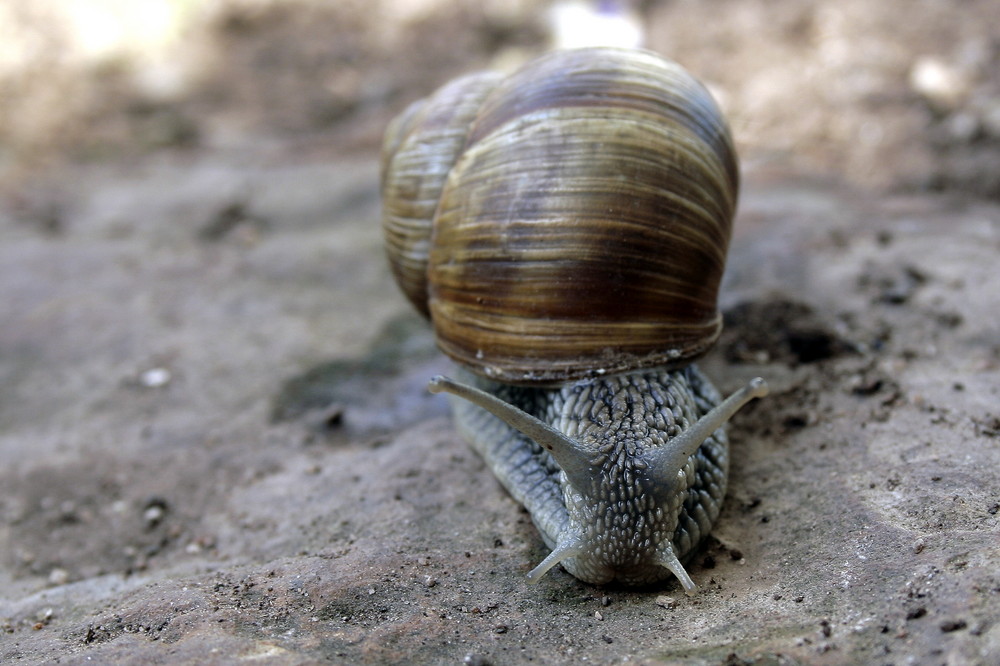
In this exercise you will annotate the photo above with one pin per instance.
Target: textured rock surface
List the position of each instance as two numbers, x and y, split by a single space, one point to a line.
215 440
217 446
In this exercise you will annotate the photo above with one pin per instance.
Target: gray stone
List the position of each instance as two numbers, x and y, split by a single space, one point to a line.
312 502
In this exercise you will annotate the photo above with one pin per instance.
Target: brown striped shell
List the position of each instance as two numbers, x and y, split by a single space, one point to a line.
569 220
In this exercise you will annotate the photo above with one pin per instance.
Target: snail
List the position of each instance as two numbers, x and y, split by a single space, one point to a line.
565 230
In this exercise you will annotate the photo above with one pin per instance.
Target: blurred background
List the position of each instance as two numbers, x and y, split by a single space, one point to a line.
896 94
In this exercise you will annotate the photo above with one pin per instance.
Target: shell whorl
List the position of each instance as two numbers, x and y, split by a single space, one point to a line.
581 221
420 147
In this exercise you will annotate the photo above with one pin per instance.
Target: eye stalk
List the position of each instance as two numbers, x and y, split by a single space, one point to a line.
664 462
571 457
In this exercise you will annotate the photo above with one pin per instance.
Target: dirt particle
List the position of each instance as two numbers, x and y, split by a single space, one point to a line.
893 285
332 417
236 219
474 659
154 511
154 378
810 345
58 576
949 319
867 385
42 619
952 625
988 426
797 421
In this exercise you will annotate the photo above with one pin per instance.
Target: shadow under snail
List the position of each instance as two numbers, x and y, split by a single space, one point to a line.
565 229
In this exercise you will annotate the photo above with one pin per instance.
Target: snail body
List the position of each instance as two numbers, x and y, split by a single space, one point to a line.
565 230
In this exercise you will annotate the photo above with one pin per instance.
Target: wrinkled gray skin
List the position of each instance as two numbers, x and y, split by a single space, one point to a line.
632 521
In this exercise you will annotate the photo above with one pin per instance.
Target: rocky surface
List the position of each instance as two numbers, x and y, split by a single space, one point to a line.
216 441
218 446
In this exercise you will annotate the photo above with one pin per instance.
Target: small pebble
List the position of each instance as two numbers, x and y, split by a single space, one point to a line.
940 82
952 625
598 616
58 576
155 378
665 601
153 515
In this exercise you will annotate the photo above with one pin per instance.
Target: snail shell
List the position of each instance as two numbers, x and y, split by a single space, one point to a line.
581 215
565 229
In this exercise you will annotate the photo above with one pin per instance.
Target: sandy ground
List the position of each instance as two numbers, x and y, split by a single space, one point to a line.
217 446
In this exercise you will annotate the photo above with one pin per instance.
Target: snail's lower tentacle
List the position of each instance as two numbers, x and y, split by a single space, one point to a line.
668 558
571 547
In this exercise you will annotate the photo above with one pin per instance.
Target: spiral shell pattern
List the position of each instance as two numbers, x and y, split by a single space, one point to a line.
570 220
